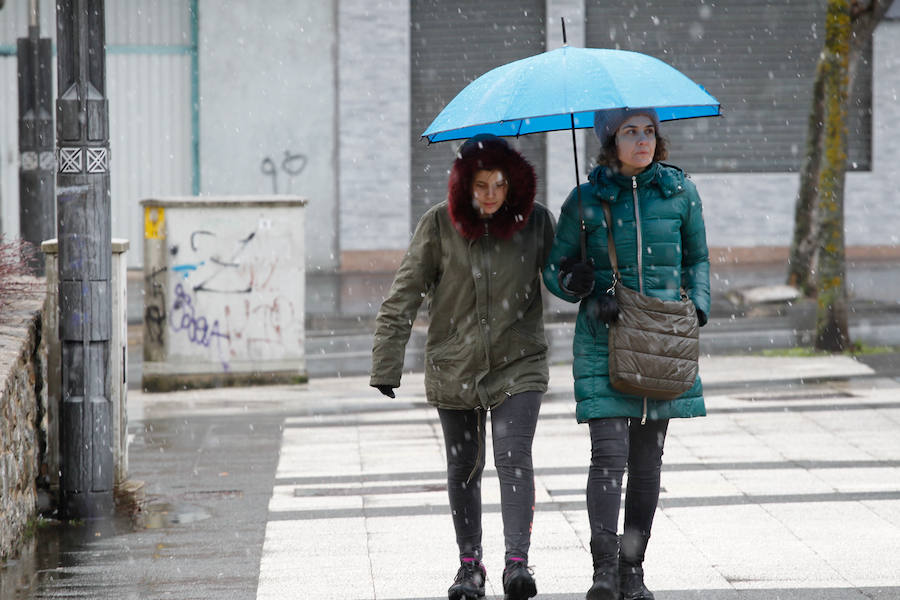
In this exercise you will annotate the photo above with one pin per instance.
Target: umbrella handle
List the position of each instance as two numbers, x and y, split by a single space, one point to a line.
583 232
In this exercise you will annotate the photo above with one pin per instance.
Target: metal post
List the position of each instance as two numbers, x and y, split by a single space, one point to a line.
37 202
83 223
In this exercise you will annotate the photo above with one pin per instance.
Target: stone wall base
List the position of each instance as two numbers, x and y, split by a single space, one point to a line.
23 416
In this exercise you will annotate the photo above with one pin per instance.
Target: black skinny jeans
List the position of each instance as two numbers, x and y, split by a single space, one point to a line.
512 429
618 443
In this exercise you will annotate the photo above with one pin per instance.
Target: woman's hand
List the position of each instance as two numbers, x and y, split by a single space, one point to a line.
576 277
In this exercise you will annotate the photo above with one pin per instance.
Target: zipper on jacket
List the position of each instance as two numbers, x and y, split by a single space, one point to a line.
640 241
640 261
487 264
484 321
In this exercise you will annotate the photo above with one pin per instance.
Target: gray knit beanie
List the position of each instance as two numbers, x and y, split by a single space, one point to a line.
607 122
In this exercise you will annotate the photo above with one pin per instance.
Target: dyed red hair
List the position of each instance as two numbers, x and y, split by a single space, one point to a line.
490 153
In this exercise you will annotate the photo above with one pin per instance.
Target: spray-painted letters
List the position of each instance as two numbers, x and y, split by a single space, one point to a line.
232 287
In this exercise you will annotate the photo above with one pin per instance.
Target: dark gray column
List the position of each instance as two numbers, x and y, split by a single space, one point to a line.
1 168
83 225
37 167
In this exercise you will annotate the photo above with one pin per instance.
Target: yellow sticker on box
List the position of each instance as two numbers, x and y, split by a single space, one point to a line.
154 222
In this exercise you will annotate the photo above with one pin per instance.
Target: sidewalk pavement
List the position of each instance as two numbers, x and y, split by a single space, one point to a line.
789 488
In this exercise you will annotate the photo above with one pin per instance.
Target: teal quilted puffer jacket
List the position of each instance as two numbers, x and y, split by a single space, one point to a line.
659 234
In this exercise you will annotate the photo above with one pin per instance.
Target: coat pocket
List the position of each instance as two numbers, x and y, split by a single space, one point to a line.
448 348
446 366
516 344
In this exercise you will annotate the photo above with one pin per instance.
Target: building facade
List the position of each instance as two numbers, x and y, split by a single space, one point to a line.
327 100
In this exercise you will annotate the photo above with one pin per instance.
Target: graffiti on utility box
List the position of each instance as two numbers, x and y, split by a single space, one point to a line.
230 294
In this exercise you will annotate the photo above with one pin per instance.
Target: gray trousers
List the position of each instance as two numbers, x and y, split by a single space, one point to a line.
512 430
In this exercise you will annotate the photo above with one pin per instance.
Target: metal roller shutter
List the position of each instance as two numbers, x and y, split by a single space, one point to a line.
452 43
758 58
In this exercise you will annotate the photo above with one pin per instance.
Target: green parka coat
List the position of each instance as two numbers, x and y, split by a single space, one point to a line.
481 281
659 231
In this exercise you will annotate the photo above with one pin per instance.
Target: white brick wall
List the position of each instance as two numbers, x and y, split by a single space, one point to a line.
374 127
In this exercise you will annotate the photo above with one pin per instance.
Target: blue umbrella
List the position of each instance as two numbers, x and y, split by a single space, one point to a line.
562 88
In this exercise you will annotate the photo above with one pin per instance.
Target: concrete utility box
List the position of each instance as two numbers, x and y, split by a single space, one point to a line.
224 284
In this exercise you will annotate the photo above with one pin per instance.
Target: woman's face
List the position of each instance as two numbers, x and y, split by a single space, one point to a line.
489 190
636 144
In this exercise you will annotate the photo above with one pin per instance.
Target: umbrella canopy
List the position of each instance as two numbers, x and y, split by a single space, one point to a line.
562 88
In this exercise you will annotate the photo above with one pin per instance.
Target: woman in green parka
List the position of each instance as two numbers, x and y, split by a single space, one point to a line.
476 260
660 241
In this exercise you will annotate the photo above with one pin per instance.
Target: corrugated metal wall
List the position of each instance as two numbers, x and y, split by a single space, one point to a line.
149 82
150 136
161 22
757 57
451 44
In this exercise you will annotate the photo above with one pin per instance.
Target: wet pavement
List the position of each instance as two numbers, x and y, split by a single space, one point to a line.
790 488
199 532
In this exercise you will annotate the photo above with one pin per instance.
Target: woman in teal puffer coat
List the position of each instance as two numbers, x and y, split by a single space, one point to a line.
660 242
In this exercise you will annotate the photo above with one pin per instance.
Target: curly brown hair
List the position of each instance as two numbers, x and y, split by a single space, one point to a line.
610 158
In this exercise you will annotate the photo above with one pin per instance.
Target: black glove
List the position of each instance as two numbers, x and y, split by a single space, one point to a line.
387 390
575 277
605 308
701 317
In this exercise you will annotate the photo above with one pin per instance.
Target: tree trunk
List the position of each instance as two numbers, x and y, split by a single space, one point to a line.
802 262
832 331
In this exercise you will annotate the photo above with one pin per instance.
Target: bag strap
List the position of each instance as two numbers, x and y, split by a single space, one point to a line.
611 246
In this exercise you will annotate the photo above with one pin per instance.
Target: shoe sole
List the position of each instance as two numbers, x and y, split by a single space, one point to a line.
465 595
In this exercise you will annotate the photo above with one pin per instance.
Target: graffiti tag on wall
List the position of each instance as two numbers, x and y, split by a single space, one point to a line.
291 165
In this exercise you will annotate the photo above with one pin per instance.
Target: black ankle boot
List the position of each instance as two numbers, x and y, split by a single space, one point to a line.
631 582
605 554
631 570
469 581
518 582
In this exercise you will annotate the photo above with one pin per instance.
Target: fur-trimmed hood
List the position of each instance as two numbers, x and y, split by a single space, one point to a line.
490 153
